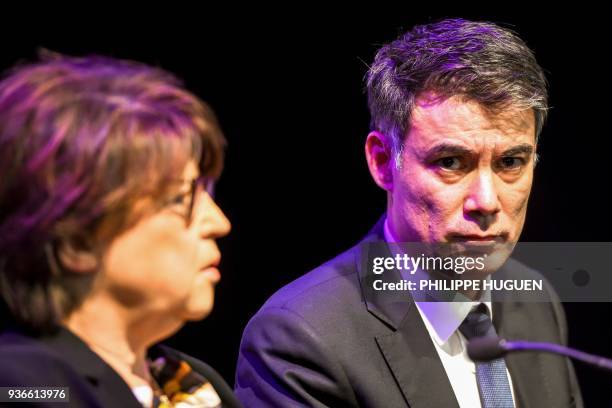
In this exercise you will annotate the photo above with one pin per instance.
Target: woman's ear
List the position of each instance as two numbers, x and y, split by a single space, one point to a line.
77 257
380 159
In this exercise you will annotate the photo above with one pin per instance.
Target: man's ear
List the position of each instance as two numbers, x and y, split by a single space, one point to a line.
380 159
76 257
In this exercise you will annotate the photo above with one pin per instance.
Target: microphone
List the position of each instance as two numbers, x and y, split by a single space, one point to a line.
486 348
492 348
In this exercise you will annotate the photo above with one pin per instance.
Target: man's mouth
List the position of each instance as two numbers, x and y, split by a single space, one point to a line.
478 238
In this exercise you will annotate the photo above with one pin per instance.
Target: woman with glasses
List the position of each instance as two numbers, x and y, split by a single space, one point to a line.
107 232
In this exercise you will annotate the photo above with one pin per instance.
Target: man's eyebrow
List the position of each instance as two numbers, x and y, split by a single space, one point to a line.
520 149
447 148
457 150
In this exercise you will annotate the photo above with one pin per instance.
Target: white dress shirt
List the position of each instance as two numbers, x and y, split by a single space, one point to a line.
442 320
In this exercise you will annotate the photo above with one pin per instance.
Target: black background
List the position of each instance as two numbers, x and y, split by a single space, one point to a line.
287 86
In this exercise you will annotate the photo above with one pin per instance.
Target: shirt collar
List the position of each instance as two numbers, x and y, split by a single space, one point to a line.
443 318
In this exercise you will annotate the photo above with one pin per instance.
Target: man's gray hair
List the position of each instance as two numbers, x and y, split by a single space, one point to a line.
478 61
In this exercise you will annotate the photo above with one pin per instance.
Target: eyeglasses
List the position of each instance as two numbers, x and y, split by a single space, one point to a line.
197 186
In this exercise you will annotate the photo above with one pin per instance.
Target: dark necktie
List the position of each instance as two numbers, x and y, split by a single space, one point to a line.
492 379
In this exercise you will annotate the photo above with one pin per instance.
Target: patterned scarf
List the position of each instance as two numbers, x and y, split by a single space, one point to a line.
180 386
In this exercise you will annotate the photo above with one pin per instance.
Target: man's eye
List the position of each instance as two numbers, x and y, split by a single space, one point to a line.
511 162
449 163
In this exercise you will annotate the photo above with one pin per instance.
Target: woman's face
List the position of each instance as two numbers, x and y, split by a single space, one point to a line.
164 266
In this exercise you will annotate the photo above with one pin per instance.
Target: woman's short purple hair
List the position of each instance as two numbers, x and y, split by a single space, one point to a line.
81 140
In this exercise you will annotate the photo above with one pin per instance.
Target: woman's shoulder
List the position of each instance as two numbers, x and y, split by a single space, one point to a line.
61 360
20 348
26 361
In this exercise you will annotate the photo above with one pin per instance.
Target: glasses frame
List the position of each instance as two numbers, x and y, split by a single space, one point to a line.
207 185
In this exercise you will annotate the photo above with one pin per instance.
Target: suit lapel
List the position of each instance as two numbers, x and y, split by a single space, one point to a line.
416 367
407 347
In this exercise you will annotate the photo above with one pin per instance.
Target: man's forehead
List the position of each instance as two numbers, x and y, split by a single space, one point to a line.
455 117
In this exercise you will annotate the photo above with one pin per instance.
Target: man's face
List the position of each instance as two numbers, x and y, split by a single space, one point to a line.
465 174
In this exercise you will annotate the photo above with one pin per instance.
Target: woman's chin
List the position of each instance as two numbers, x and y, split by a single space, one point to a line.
199 308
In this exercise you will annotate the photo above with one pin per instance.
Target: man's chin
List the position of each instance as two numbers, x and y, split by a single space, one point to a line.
485 257
480 248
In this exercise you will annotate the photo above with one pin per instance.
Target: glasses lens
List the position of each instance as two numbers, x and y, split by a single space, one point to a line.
199 186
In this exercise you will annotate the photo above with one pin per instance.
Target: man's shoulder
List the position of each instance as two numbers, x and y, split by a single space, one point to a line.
322 295
338 275
517 270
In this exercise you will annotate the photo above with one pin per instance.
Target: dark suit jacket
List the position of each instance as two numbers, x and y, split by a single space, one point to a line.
65 360
319 342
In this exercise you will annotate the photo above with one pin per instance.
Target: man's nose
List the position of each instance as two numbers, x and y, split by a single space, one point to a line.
482 201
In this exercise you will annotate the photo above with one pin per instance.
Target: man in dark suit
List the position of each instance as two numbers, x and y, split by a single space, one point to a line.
457 108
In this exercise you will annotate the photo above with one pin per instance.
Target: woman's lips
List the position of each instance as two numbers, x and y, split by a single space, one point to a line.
212 272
